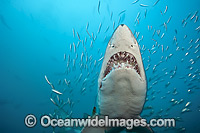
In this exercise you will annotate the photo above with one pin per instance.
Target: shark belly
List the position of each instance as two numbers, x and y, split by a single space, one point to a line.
122 81
117 99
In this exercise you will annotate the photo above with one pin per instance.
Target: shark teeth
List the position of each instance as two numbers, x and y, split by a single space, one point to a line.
121 60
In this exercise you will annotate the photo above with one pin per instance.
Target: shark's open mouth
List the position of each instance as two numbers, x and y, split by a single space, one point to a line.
121 60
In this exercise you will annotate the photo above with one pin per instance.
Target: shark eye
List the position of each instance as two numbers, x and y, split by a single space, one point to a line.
112 46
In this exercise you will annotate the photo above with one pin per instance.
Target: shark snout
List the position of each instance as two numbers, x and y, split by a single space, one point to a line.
123 28
122 33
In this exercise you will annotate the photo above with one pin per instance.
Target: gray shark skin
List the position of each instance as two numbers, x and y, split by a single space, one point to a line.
122 90
122 81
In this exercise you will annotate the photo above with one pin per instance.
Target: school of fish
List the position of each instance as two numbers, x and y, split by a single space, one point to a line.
182 55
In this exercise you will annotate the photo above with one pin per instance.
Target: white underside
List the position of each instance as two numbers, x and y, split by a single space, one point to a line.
122 95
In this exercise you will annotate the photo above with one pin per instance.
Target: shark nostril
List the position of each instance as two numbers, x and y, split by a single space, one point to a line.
122 25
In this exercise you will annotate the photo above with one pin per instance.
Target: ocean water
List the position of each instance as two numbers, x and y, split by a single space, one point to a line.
48 38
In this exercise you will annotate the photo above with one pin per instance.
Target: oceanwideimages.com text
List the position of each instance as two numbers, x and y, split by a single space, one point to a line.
47 121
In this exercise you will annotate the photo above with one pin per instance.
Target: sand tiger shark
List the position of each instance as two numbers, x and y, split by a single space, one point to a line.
122 81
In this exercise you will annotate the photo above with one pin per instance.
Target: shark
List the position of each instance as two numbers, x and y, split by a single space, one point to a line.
122 81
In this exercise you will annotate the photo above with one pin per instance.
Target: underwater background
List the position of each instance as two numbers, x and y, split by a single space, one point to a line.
63 42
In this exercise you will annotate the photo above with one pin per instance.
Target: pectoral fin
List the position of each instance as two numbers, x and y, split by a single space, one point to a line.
141 129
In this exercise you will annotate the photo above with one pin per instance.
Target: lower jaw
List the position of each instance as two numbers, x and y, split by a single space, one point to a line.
117 69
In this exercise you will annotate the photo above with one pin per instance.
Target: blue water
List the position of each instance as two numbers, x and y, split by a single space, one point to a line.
35 36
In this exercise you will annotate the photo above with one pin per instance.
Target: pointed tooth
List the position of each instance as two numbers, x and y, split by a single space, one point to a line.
126 55
118 54
122 56
114 57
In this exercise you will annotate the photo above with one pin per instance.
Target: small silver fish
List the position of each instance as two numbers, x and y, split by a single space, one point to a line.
166 48
196 19
111 15
138 15
99 28
74 47
143 5
194 15
169 19
100 58
197 41
198 28
74 62
188 16
106 29
185 110
57 92
121 12
145 13
165 9
196 52
78 36
113 25
184 24
119 20
83 90
158 32
156 2
64 56
91 44
165 25
53 101
197 46
47 80
87 25
135 1
88 33
154 32
66 82
161 12
191 41
170 55
73 32
162 35
70 47
99 7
